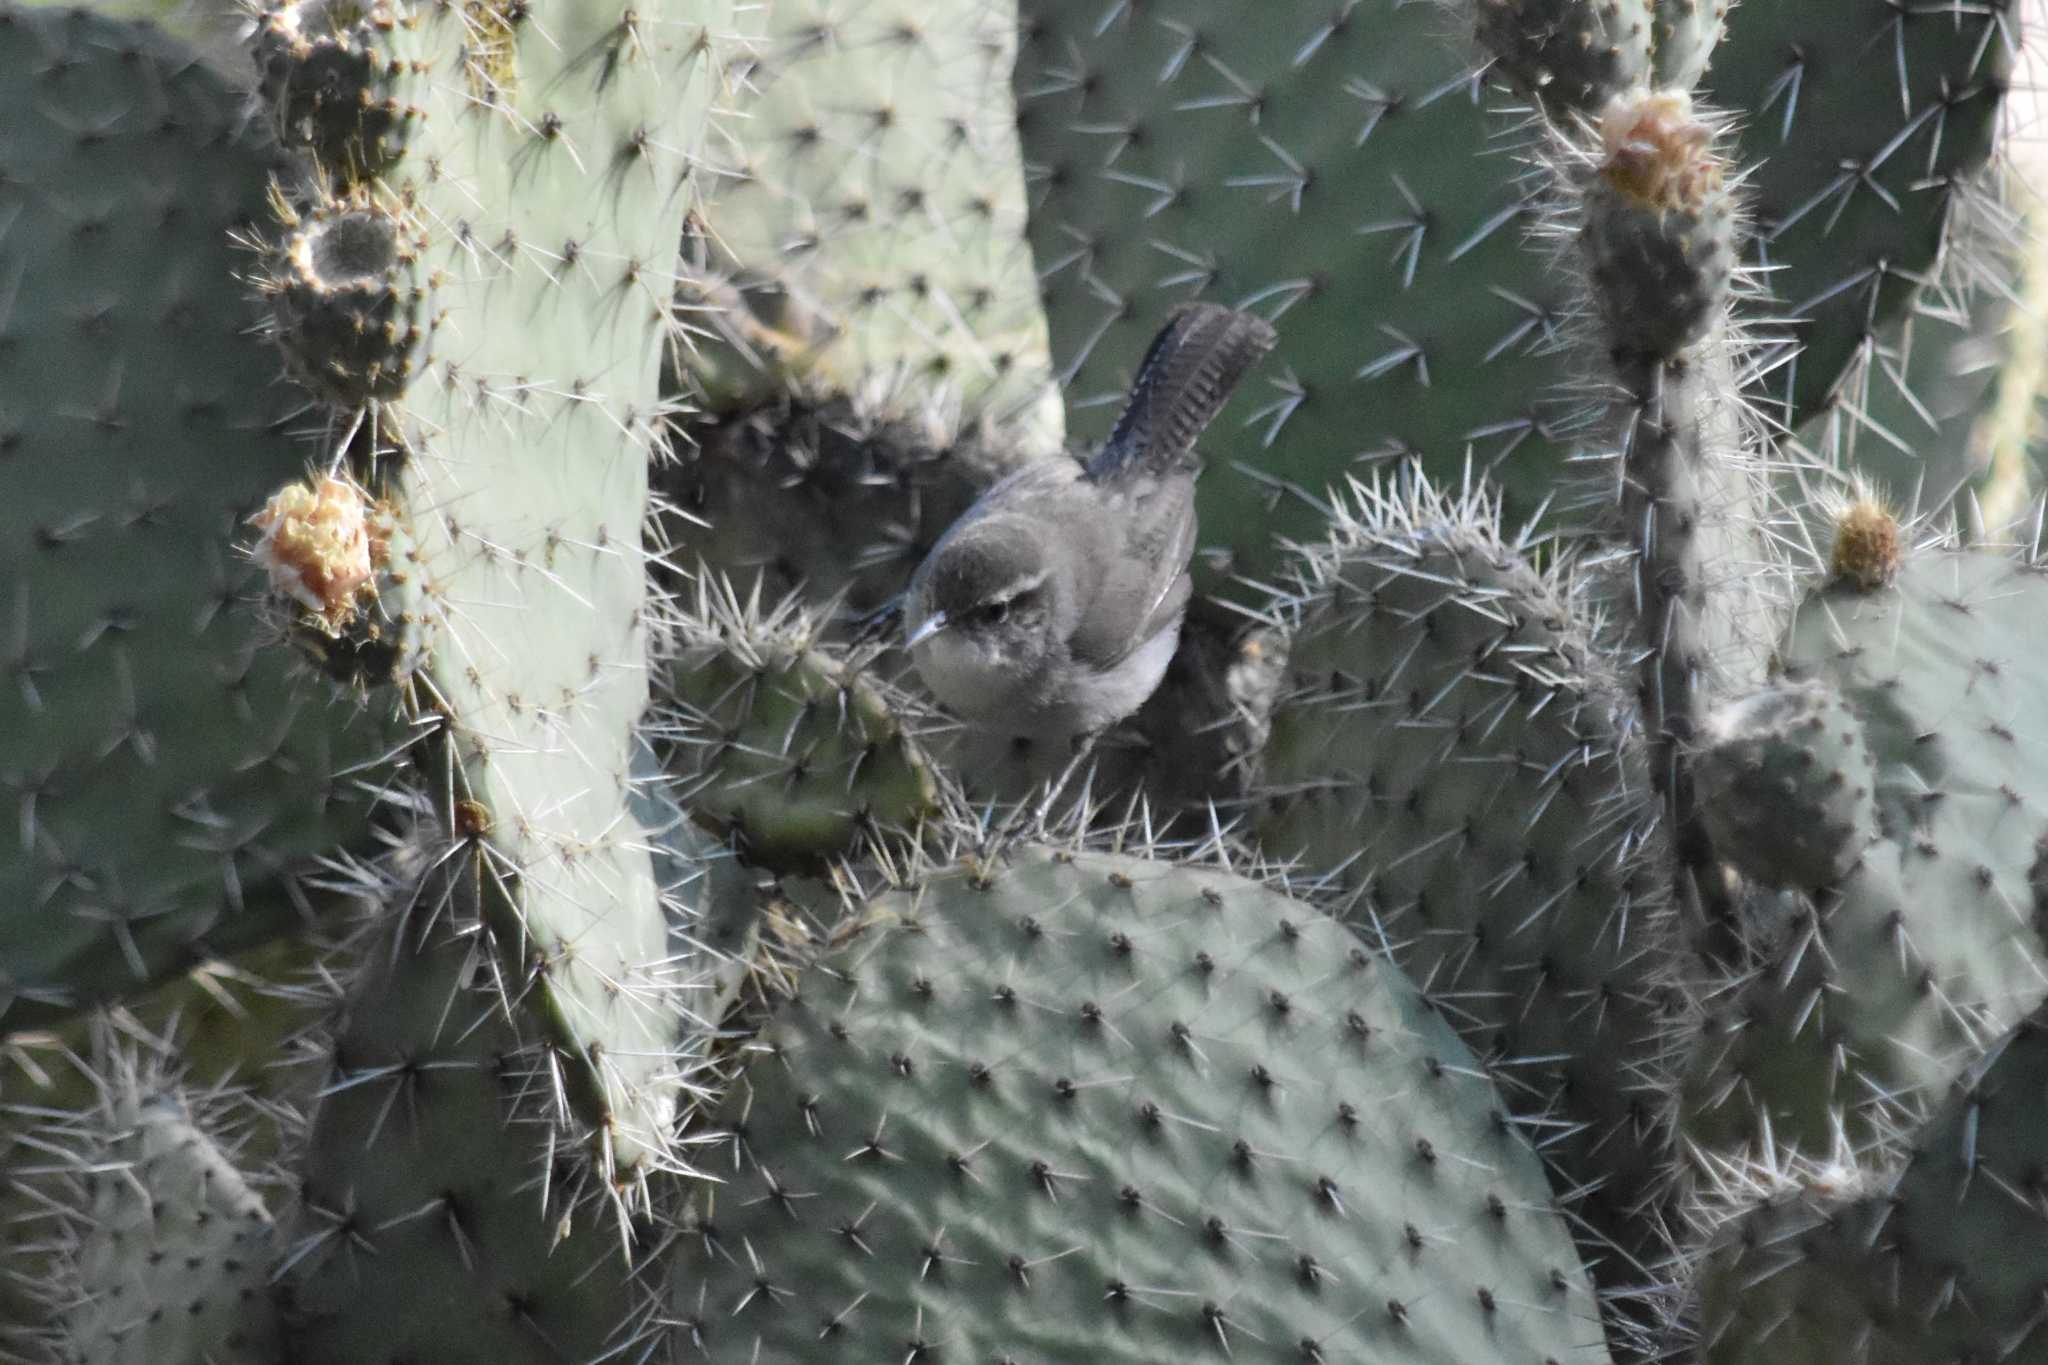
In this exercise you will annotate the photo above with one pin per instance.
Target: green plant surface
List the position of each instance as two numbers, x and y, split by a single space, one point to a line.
1925 950
1863 125
1335 170
1452 752
536 210
1048 1105
865 230
171 780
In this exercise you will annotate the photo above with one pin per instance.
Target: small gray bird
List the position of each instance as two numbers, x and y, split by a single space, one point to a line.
1051 608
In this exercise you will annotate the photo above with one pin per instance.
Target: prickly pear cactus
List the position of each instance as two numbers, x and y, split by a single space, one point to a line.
172 783
794 752
487 313
1924 949
1864 128
436 1219
1453 752
1572 56
163 1245
1202 153
1940 1261
1048 1105
1787 785
867 230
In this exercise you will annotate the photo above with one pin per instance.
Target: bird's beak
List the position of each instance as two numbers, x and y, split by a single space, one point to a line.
933 624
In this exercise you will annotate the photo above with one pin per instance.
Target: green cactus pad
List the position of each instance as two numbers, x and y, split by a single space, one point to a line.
174 1263
439 1220
1944 1263
1862 125
171 778
1923 950
867 232
1052 1106
1786 783
138 1227
1454 755
795 751
1334 169
1918 425
543 191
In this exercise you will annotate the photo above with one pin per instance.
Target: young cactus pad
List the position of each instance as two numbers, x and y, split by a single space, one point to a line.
1054 1106
167 1259
789 748
1785 785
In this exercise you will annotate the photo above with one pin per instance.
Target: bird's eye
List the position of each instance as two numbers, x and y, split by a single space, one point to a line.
995 613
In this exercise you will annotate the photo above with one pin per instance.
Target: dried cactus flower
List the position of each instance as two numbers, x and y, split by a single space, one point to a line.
320 546
1656 152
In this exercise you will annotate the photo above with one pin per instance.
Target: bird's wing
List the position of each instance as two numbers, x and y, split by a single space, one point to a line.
1144 563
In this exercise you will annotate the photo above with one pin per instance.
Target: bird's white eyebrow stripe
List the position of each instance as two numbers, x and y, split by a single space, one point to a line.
1017 587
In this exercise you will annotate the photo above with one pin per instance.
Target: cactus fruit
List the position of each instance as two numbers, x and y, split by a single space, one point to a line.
351 311
1453 753
1661 226
1570 56
331 87
1786 783
1057 1105
339 561
172 782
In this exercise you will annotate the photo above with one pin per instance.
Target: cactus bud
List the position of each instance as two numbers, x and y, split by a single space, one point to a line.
1866 553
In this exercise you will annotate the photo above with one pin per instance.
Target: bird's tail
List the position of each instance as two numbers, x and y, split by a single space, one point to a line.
1194 363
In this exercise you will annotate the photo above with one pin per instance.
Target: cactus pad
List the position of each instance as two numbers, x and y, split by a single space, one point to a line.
1919 954
1058 1106
1454 755
172 778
